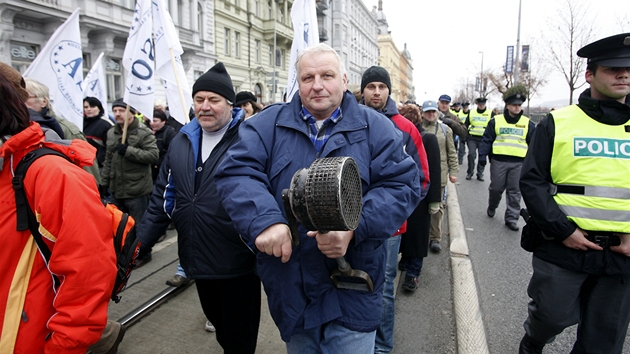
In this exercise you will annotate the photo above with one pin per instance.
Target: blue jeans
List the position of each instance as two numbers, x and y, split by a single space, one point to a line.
384 342
180 271
331 338
413 266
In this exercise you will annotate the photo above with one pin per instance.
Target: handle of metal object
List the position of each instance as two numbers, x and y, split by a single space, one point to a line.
344 267
295 237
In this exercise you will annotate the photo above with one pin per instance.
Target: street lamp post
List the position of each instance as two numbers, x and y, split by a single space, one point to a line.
517 65
481 90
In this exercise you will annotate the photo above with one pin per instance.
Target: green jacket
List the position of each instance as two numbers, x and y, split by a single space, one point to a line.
129 176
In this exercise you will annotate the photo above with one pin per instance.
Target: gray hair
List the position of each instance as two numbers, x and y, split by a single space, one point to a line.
320 49
40 91
159 102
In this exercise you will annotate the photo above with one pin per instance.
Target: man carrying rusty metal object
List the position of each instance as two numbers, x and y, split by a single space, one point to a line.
323 120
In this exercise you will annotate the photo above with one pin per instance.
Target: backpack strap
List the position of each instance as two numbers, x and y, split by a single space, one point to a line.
26 219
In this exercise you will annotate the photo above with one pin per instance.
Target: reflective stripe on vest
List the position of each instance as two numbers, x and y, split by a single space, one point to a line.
478 122
511 138
590 165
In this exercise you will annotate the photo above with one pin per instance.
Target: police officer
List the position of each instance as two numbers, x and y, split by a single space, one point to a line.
575 184
477 123
505 141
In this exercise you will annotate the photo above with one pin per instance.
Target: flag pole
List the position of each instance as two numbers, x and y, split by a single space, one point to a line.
125 125
179 86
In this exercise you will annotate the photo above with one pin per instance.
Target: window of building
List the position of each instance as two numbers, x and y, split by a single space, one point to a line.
257 8
270 6
270 55
180 13
257 50
237 44
280 58
337 34
113 73
226 44
87 63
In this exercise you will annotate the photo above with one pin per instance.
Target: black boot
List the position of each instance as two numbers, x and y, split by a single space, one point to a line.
530 346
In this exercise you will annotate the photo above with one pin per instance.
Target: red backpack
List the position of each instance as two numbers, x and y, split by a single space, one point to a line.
126 244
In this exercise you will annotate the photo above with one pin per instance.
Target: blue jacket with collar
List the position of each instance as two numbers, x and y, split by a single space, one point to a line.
273 146
209 246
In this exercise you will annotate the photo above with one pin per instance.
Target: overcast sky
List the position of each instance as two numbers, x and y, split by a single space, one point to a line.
445 38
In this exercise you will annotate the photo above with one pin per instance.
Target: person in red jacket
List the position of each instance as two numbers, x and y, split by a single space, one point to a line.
36 316
376 88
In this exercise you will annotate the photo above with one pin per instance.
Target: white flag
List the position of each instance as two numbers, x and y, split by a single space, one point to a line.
305 34
95 85
170 67
60 67
139 61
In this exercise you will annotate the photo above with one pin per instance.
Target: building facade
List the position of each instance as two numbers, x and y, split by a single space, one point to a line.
26 26
398 64
248 33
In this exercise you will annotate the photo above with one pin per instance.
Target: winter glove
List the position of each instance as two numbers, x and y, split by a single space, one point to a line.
434 207
122 149
482 160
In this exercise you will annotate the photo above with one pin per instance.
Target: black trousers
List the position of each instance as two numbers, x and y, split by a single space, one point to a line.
473 147
599 304
233 307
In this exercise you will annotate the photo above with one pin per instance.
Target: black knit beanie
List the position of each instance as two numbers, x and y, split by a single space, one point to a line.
120 103
375 73
216 80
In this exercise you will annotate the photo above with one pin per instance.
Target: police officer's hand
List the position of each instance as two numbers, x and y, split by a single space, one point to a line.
121 149
624 248
482 160
332 244
577 241
275 241
452 178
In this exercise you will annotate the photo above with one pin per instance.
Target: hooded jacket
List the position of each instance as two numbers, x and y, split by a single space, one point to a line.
272 147
35 317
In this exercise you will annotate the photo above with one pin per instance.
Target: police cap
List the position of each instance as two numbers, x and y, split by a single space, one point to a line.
516 98
611 51
481 100
466 104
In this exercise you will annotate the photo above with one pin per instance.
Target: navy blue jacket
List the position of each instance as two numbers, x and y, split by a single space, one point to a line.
209 246
273 146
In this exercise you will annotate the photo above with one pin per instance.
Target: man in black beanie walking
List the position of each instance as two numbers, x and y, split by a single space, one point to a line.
210 249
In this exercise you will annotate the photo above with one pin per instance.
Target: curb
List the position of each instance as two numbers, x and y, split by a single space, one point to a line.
471 334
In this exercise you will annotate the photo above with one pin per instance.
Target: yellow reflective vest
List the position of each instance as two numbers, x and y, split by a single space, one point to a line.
590 165
478 122
511 138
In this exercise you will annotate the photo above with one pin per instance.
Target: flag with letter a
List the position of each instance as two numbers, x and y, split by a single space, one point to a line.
139 60
168 63
305 34
59 66
95 85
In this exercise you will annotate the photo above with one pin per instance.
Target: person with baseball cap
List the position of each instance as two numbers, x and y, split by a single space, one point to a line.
448 166
211 251
575 184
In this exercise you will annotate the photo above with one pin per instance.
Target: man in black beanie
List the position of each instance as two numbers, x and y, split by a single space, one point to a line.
210 249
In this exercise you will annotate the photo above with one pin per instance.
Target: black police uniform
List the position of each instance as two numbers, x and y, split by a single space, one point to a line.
570 286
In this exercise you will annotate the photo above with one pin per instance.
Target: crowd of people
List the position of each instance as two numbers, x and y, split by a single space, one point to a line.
218 180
